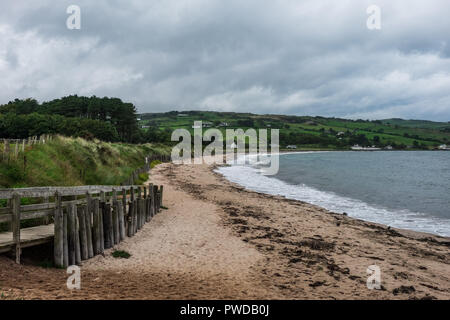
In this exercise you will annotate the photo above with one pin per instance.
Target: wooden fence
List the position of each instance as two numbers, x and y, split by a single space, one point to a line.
10 148
81 221
144 169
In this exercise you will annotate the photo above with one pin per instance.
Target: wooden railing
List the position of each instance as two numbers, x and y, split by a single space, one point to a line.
86 219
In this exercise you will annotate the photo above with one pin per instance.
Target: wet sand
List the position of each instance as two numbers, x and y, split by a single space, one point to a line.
216 240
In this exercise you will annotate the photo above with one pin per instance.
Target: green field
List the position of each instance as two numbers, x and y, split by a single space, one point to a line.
314 132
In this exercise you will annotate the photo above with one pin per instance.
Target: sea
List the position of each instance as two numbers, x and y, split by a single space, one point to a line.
402 189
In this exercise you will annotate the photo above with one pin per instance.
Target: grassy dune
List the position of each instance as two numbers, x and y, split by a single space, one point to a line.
75 161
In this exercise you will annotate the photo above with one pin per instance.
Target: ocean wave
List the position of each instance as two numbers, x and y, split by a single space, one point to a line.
250 178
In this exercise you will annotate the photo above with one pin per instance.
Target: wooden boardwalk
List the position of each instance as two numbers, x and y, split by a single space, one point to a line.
28 237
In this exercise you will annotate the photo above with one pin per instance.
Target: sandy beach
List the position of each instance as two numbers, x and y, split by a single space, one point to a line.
216 240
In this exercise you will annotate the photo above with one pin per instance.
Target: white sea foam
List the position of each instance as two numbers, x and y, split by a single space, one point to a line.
250 178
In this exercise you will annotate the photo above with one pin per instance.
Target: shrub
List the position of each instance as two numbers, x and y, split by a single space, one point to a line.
154 163
121 254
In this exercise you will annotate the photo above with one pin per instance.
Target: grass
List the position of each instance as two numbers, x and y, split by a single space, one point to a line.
400 132
121 254
75 161
154 163
142 178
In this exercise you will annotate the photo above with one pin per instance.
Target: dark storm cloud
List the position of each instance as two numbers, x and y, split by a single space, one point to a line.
296 57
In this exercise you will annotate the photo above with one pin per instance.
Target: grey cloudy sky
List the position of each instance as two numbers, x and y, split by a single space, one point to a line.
265 56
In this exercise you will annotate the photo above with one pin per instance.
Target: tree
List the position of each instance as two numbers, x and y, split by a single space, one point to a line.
116 120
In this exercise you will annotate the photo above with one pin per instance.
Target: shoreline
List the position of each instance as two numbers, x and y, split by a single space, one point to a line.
419 234
246 177
217 240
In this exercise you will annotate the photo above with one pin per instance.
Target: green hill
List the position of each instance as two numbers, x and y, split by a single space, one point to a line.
313 132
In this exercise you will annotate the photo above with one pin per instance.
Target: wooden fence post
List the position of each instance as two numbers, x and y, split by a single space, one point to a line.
121 221
150 195
101 226
115 221
16 225
152 200
96 227
124 199
66 238
139 211
147 206
88 219
158 201
130 227
132 212
83 233
77 235
58 245
71 230
161 188
124 208
155 201
135 216
107 226
144 206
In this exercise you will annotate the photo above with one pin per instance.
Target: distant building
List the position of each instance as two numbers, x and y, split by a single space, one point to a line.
444 147
389 148
357 147
341 133
291 146
205 124
223 124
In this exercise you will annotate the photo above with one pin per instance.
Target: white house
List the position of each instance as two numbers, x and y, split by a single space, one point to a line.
444 147
291 146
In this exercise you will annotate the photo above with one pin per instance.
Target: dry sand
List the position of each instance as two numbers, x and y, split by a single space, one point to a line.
217 240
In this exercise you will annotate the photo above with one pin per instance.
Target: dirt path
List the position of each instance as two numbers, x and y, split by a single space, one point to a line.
192 254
